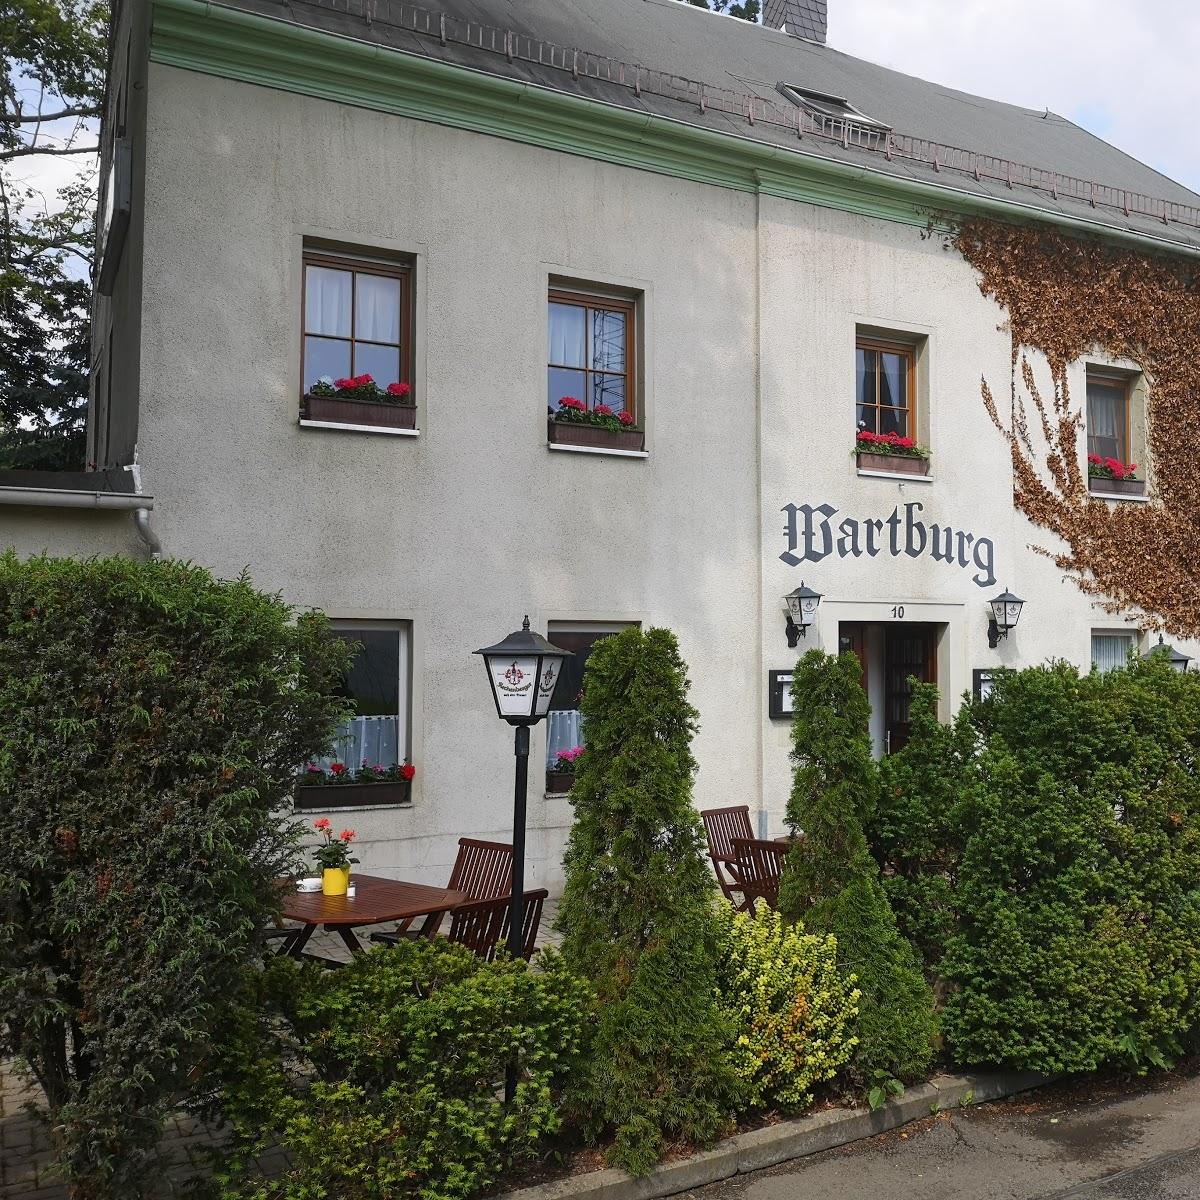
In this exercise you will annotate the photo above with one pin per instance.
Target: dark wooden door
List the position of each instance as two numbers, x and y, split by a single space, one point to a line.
910 651
852 637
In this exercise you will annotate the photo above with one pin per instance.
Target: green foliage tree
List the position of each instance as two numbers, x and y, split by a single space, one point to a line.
51 93
637 912
384 1079
151 723
1078 902
830 880
744 10
915 833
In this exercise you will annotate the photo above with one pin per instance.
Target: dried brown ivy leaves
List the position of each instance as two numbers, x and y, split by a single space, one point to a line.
1068 297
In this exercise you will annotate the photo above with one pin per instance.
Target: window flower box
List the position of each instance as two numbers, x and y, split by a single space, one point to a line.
1111 477
360 401
573 424
318 788
561 776
891 453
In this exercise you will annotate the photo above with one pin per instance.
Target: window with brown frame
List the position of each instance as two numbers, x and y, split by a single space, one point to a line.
1108 433
357 318
592 351
885 392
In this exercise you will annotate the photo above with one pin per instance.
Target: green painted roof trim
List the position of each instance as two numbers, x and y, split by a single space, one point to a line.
234 44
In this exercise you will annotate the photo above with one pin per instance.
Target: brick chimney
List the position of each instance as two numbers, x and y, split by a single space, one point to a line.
801 18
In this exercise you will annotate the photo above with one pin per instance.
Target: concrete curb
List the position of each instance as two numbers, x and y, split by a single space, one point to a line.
790 1139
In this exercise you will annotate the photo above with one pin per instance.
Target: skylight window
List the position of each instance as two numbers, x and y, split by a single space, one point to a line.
820 104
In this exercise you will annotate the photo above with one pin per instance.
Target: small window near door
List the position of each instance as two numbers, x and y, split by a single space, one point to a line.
564 725
1111 650
377 683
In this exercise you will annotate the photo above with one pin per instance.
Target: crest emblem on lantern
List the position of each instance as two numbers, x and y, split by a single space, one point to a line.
513 681
549 679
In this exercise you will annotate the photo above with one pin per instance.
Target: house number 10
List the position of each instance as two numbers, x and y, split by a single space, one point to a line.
898 611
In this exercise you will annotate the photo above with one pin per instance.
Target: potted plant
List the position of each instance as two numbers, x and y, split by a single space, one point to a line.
890 452
360 401
336 786
333 857
561 777
1111 476
574 424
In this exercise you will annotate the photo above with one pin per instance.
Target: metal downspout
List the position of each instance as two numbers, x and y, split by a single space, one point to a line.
141 516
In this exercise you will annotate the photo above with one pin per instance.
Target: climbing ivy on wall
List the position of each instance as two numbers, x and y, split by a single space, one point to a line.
1067 297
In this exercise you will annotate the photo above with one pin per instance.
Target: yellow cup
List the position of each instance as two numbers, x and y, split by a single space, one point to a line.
335 881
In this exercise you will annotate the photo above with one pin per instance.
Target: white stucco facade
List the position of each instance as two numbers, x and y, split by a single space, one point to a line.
749 308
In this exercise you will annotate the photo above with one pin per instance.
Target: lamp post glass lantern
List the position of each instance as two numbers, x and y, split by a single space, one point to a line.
1006 612
801 612
1178 660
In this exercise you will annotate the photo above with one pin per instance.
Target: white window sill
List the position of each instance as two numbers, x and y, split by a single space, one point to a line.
555 795
599 450
359 428
895 476
1123 497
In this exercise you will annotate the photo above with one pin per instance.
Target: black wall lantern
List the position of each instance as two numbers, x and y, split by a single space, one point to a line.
801 612
522 670
1006 612
1178 660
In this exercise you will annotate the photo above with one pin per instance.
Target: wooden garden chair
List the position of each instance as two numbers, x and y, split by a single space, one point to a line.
758 863
482 925
482 869
721 826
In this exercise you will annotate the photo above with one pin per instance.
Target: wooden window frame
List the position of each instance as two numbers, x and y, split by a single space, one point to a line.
358 264
910 353
604 303
1114 380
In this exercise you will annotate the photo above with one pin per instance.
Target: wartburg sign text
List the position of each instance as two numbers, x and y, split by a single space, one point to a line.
812 535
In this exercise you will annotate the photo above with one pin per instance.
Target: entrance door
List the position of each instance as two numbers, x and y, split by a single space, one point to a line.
908 651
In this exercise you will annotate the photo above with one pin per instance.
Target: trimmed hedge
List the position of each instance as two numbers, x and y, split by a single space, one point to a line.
151 720
1078 892
385 1079
637 912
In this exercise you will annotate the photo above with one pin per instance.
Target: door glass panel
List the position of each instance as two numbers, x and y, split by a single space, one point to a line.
327 301
324 356
567 335
382 363
565 383
377 308
608 340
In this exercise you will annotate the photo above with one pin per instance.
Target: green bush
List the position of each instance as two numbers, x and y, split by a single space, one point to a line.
151 720
638 913
385 1079
830 880
916 832
1078 895
791 1011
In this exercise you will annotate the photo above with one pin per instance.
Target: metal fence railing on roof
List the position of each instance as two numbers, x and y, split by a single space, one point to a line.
517 47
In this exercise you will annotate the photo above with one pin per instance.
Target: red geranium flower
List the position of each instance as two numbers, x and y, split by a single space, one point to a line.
1095 458
625 417
398 389
343 384
407 771
571 402
362 380
602 410
347 835
337 768
322 823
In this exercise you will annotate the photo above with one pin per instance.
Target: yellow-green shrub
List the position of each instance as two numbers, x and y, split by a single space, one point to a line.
793 1013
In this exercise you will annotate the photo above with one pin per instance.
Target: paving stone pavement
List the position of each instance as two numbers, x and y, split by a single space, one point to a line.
26 1161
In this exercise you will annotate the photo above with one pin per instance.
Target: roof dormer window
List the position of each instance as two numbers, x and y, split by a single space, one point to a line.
820 104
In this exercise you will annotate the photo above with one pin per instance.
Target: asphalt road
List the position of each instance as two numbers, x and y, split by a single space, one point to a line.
1059 1144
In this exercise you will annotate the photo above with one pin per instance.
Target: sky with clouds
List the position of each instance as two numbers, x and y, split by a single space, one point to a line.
1127 70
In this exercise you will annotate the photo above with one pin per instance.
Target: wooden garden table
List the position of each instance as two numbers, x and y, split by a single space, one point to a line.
376 901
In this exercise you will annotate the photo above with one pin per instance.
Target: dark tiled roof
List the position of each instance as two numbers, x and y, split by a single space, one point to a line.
677 61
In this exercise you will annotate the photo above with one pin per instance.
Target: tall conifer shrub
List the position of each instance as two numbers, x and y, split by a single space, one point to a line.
830 880
637 912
